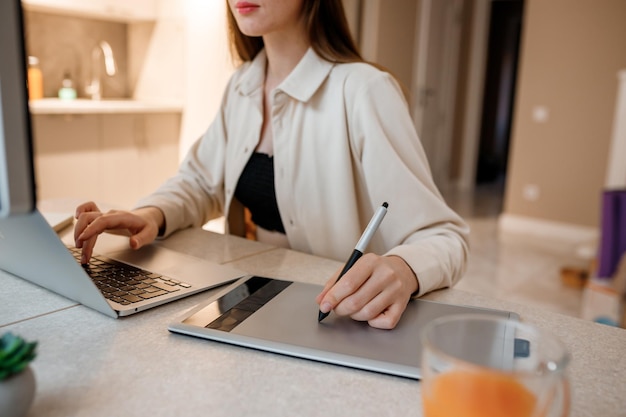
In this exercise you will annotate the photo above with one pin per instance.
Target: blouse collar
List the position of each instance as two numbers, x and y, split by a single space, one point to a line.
303 81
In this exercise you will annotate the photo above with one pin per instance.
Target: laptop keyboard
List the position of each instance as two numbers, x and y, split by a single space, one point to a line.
126 284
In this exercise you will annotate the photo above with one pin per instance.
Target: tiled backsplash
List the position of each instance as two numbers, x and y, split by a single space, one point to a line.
65 43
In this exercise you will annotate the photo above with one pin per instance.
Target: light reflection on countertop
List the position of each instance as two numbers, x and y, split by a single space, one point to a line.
108 106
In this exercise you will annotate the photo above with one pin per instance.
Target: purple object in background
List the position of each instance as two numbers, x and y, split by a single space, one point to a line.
613 232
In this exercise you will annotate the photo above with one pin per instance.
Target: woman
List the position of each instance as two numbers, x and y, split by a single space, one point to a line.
311 140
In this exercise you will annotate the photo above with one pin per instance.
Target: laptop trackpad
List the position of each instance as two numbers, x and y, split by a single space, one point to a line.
156 259
176 265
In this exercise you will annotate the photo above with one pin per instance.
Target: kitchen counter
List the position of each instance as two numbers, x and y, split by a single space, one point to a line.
105 106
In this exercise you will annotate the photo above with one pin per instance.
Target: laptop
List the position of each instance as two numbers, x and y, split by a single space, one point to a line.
124 281
280 316
32 250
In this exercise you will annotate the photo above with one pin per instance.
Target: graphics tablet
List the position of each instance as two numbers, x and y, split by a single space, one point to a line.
281 317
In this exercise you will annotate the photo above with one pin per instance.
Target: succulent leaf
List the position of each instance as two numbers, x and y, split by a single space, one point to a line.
15 354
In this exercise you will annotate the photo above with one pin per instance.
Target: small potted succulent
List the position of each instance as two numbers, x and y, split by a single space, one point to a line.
17 381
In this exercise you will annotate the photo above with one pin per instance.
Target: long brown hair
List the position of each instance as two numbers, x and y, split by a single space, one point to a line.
327 28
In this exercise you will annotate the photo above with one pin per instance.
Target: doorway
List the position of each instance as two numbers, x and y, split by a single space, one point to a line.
487 84
505 29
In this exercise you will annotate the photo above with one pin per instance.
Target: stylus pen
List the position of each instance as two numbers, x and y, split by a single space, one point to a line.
361 246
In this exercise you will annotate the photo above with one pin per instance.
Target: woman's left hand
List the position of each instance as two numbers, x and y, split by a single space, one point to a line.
376 289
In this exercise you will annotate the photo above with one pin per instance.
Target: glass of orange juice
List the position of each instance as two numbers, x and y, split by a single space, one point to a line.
486 366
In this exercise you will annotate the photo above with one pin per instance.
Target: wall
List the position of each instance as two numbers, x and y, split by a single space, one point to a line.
571 53
353 16
156 57
208 65
388 36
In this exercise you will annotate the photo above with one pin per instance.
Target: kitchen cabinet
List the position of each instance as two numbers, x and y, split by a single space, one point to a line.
113 158
117 10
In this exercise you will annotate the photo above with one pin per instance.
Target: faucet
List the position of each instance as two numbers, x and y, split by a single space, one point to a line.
102 49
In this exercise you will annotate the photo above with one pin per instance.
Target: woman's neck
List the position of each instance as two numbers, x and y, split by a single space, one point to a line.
284 51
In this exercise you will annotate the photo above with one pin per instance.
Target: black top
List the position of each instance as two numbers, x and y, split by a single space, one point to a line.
256 191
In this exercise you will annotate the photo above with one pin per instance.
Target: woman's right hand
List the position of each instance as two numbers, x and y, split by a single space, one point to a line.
141 226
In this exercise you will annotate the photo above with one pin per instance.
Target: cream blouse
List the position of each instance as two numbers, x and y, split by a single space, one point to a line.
344 143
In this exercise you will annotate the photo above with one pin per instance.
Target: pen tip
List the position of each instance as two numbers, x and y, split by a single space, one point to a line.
385 205
321 316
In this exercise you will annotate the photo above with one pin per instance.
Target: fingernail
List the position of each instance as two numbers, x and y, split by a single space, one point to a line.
325 307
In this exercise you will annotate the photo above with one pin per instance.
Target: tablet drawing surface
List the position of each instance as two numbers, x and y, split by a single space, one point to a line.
281 317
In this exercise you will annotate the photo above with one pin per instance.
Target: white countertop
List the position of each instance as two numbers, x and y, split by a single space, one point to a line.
91 365
107 106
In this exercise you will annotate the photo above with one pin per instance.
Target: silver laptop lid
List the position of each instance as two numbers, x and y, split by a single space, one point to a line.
30 249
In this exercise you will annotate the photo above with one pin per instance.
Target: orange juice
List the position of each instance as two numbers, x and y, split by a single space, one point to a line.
476 394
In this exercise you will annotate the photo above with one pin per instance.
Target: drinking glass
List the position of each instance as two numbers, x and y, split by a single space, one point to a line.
487 366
